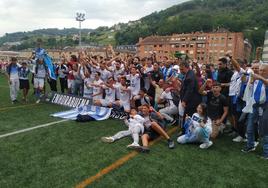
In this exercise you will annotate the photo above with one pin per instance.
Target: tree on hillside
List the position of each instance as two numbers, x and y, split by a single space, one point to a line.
202 15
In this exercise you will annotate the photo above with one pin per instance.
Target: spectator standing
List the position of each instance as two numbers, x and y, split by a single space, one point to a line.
70 80
224 76
13 79
263 127
189 93
62 71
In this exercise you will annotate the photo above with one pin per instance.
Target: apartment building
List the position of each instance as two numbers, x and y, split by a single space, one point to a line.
205 47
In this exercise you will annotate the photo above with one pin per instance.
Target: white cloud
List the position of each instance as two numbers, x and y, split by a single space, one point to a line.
20 15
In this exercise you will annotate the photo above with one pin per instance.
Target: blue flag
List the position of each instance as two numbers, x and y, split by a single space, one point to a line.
50 66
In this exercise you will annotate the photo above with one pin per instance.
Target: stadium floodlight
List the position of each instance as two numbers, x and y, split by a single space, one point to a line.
80 17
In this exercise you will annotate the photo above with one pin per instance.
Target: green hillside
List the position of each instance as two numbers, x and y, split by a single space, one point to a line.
59 38
248 16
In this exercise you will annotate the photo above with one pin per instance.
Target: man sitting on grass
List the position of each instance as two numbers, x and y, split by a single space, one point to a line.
154 126
135 127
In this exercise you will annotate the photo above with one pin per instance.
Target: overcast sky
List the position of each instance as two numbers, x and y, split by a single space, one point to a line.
27 15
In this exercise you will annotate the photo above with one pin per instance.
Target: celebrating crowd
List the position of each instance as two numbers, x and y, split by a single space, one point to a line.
200 98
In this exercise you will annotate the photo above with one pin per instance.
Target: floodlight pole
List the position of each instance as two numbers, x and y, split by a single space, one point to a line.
80 17
80 33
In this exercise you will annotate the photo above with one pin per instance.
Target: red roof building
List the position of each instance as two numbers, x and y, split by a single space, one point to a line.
205 47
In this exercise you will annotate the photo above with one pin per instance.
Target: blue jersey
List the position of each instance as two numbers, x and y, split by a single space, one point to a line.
13 71
40 53
167 72
24 73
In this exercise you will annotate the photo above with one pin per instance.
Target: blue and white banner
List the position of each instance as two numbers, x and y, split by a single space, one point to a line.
50 67
66 100
96 112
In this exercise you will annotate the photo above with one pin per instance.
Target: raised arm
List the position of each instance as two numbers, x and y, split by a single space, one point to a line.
259 77
233 61
235 65
202 89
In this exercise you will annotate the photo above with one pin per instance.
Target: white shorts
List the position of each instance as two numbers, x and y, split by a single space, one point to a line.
39 82
105 102
98 97
134 92
125 105
87 95
70 83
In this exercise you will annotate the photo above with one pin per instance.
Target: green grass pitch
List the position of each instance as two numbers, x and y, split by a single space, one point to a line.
65 154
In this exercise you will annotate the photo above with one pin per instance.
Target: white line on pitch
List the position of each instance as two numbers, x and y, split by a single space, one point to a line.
32 128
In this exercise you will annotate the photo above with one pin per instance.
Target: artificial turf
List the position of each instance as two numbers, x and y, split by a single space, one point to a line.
65 154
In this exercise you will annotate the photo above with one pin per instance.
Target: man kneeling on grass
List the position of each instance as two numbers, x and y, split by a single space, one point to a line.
217 106
135 128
